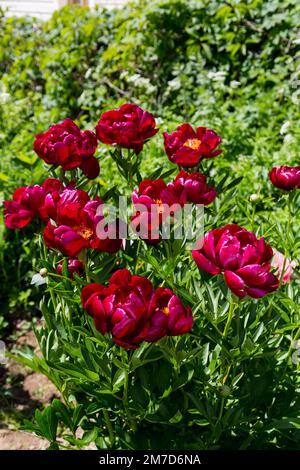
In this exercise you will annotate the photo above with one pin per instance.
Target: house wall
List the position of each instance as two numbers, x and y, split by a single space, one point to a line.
40 8
44 8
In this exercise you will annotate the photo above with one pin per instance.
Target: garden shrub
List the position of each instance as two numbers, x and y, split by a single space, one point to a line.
147 352
231 67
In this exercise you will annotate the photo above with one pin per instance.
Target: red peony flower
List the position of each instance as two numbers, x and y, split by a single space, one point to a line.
168 316
74 266
133 312
156 193
121 309
244 260
52 188
29 202
155 202
285 177
66 146
90 167
74 226
186 147
192 187
129 126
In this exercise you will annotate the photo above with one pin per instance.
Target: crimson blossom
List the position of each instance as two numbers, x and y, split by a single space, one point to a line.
285 177
74 265
192 187
244 260
132 311
29 202
155 201
74 226
129 127
156 193
168 316
186 146
65 145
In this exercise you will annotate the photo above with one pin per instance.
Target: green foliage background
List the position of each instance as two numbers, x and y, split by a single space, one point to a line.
233 66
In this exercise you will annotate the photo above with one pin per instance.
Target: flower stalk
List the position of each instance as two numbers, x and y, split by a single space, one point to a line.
232 307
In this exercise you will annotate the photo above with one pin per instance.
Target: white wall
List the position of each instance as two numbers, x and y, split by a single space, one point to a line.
40 8
44 8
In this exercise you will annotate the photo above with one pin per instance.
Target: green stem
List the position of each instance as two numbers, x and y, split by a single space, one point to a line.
53 299
125 391
290 196
138 247
288 229
232 306
253 217
238 326
83 258
62 177
128 167
215 433
109 428
131 420
221 410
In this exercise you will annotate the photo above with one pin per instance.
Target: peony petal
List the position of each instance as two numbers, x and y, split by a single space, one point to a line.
204 263
235 283
90 167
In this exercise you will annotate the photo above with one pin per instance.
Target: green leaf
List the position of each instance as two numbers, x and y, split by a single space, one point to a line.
74 371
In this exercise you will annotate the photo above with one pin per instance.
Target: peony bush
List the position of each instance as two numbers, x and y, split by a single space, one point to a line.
151 344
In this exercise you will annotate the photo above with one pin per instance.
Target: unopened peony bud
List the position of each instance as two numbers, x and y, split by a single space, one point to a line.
255 198
43 272
225 391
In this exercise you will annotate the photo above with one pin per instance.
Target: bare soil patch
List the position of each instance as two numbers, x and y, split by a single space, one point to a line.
23 391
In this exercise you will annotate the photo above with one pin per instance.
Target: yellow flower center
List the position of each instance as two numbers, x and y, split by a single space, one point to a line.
192 143
84 232
160 205
166 310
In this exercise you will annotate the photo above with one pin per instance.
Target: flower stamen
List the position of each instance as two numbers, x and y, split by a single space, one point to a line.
84 232
192 143
166 310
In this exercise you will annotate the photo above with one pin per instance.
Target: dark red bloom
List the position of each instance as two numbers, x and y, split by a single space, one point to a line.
285 177
168 316
192 187
186 147
29 202
74 266
244 260
156 193
52 188
90 167
154 202
129 126
121 308
133 312
65 145
74 226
